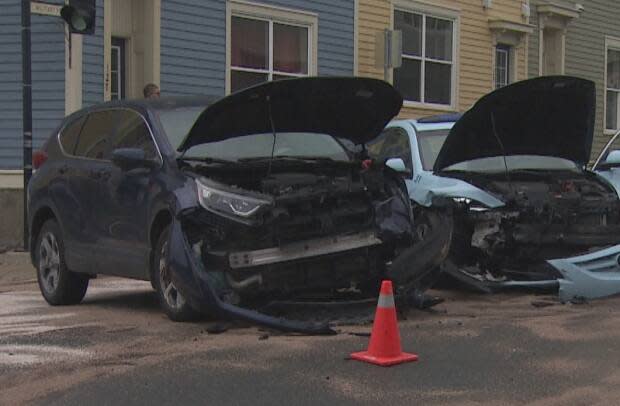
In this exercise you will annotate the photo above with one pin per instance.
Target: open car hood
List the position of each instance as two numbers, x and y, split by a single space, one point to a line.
548 116
356 109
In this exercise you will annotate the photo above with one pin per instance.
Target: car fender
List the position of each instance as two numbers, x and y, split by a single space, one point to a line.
426 187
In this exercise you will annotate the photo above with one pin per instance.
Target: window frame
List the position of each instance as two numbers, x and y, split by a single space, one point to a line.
442 13
509 52
272 15
611 43
119 45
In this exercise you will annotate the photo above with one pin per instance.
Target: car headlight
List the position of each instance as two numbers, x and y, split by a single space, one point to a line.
473 205
228 203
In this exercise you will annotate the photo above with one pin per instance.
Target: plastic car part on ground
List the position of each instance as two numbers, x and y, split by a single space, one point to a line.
589 276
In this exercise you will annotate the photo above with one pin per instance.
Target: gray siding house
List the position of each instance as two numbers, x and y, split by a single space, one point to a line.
187 47
581 39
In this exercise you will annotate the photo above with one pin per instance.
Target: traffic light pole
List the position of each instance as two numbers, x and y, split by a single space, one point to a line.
26 110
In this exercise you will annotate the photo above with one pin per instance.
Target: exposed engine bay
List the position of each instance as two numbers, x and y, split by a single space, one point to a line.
547 215
322 230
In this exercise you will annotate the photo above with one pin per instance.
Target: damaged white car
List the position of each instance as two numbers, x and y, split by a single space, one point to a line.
511 177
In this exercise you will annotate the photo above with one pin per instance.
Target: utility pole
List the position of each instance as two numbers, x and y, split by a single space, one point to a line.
26 111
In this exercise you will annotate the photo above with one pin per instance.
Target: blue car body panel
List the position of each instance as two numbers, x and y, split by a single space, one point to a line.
424 185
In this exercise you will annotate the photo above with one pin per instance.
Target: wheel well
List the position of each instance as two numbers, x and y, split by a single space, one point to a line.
162 220
43 214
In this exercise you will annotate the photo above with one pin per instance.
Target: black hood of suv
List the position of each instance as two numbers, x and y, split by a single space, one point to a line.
356 109
547 116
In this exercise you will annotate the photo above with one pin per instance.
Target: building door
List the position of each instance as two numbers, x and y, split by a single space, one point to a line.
553 52
118 71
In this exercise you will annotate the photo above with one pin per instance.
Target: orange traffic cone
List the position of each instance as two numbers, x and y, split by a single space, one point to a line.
384 348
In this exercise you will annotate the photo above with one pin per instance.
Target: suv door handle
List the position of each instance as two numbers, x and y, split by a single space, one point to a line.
63 169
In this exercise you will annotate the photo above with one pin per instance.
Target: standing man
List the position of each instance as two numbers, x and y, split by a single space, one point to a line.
151 91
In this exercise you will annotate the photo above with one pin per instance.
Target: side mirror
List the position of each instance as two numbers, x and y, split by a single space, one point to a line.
613 158
398 165
131 158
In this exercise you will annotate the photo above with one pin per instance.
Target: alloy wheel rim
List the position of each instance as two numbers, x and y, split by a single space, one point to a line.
49 262
173 298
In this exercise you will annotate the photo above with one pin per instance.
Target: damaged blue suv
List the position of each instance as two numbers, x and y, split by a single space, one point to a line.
227 205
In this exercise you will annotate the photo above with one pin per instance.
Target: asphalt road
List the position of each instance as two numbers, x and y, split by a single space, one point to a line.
118 348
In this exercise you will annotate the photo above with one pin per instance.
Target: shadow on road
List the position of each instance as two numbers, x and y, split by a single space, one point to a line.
126 300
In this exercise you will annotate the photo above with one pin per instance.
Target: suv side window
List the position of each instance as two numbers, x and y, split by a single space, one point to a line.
392 143
95 136
69 135
132 132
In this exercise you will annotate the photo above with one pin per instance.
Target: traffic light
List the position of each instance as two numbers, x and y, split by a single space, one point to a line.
80 16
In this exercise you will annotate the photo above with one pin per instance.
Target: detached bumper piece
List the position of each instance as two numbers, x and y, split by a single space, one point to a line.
589 276
193 282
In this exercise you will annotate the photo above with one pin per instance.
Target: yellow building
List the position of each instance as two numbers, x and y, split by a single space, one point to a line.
454 51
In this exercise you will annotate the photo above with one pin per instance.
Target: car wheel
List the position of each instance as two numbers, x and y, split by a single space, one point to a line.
171 300
58 285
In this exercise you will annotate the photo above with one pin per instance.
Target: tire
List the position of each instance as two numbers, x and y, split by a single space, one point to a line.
58 285
170 299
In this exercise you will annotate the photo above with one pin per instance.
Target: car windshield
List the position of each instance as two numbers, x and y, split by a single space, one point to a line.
261 146
514 162
430 143
177 122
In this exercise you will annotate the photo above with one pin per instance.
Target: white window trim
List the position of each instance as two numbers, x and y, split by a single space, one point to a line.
507 52
512 63
273 14
610 43
119 67
422 7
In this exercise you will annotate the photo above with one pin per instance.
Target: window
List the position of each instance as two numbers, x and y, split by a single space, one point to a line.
427 71
502 65
269 44
69 136
95 135
132 132
117 71
612 111
430 143
178 121
392 143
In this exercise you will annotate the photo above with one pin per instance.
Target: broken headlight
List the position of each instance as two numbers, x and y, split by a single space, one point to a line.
473 205
228 203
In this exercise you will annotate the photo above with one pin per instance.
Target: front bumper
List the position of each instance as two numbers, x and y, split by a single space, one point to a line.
197 286
589 276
